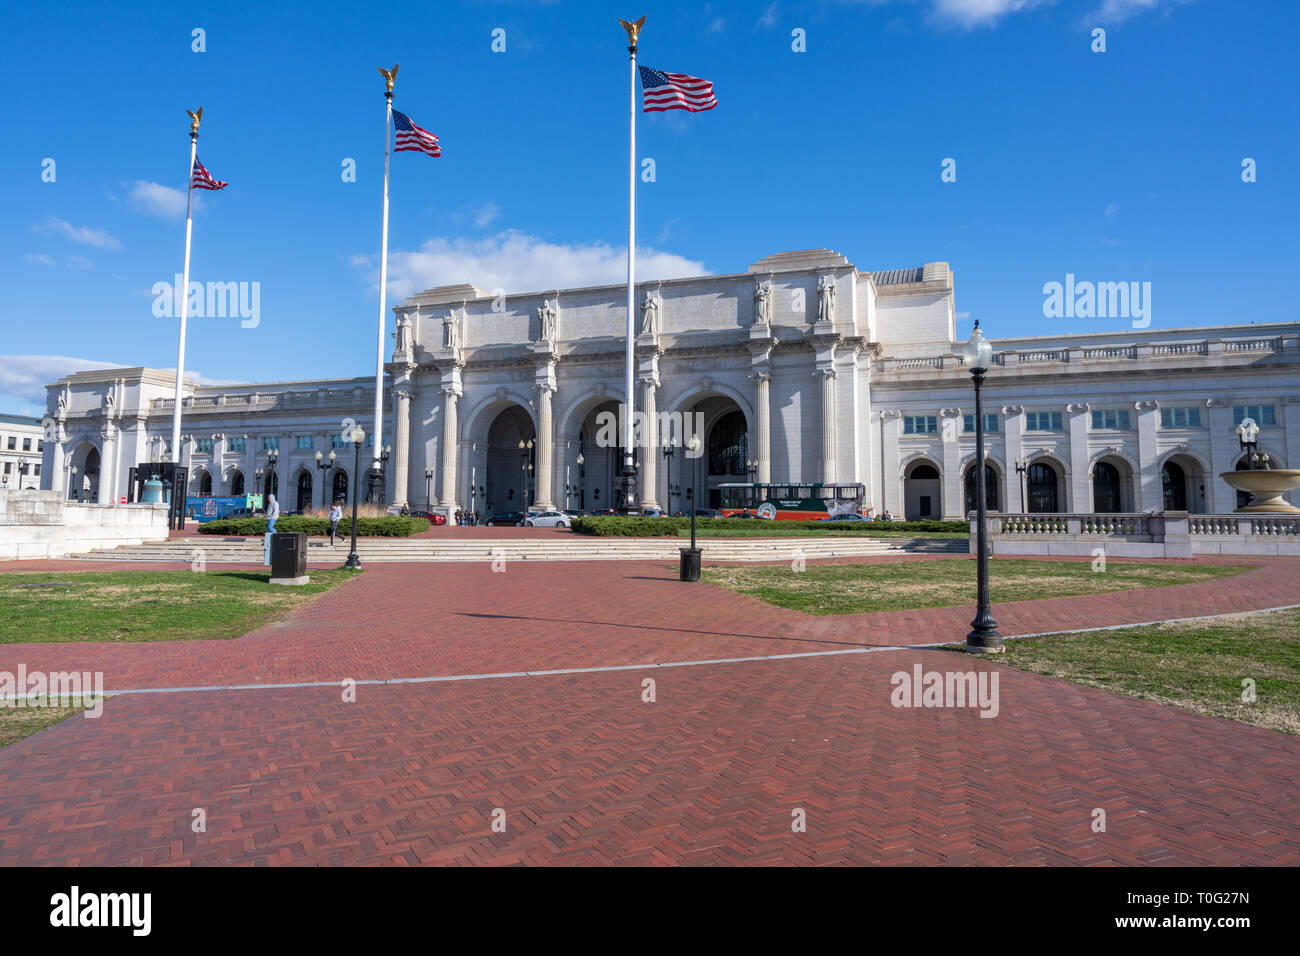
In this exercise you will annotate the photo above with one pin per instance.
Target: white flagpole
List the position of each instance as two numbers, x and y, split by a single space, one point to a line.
378 436
629 479
185 292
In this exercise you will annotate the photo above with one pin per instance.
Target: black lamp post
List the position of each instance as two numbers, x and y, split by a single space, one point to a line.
375 493
324 465
1248 439
689 569
357 437
525 466
272 456
582 483
428 488
1022 466
668 478
977 354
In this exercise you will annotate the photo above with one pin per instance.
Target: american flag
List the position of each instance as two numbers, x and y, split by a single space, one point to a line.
674 91
200 178
410 136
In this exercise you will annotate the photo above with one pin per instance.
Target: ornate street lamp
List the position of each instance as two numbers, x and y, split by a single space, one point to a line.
525 466
428 488
689 569
668 476
977 355
582 483
357 437
324 465
1248 439
272 456
1022 466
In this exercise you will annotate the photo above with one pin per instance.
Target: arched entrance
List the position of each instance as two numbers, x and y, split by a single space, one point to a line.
205 483
510 471
236 483
339 486
1042 488
304 490
84 485
725 451
922 488
992 498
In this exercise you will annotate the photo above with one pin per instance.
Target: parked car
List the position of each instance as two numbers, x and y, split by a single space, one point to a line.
744 514
513 518
242 513
603 511
707 513
575 512
431 517
548 519
846 517
652 512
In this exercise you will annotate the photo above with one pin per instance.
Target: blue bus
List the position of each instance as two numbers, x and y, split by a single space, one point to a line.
199 508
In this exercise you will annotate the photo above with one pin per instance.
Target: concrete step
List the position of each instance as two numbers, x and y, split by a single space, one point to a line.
581 549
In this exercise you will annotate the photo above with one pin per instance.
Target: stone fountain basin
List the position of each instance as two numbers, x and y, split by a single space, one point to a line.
1268 487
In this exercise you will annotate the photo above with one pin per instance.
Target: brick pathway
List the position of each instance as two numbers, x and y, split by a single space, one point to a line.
588 773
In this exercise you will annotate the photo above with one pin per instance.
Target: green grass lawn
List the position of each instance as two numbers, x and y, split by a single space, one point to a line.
1196 665
903 585
147 605
19 722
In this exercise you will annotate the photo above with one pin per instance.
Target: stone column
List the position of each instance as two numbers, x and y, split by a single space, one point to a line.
108 465
828 424
401 444
1079 494
1013 427
1150 491
545 446
450 396
650 448
763 425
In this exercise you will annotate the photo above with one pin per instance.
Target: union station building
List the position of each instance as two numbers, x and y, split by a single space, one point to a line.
800 369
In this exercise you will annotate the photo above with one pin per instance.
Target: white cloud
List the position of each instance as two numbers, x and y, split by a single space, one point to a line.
768 20
485 213
79 263
971 14
716 25
1112 209
36 259
1116 11
25 376
157 200
521 263
84 235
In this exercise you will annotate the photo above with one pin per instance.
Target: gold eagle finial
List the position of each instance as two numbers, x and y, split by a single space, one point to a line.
633 30
195 119
389 76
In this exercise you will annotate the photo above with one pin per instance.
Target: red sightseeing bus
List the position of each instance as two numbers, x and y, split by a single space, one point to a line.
792 501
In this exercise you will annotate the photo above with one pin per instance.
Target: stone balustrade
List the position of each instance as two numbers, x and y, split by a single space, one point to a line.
1167 534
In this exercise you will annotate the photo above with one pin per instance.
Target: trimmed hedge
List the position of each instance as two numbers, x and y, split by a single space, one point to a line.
394 526
609 526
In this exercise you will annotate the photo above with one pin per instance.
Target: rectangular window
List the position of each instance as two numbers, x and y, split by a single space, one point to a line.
271 443
7 465
40 445
303 443
1180 418
920 424
1262 414
27 444
235 444
203 446
37 470
337 442
1112 418
1043 421
13 443
990 423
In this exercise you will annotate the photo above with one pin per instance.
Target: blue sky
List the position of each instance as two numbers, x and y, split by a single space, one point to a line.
1115 166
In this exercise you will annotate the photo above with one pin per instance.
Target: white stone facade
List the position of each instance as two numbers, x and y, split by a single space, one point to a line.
815 370
21 452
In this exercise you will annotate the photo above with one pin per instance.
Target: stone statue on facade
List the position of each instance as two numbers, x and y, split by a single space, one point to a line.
763 304
826 299
548 314
650 314
403 334
452 330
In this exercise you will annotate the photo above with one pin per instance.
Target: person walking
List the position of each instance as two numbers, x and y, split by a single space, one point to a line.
272 513
336 515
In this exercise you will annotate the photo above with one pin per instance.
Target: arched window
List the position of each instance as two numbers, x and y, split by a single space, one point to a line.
237 484
990 489
205 483
925 472
1174 484
1106 488
1042 489
304 491
340 485
728 445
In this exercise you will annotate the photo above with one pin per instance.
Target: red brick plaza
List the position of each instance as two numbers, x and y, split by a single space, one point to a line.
482 695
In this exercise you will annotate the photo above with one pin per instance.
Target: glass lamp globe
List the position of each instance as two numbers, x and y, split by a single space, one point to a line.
977 353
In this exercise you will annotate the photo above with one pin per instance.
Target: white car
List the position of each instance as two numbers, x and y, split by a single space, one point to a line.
548 519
